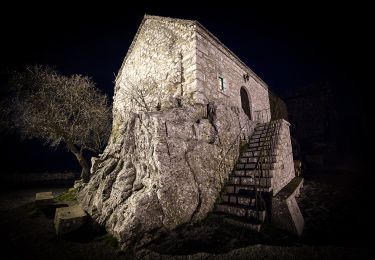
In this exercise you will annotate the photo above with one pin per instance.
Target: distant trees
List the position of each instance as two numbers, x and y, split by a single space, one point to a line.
59 109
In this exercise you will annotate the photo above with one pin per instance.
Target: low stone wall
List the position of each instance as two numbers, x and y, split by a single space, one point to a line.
285 173
286 214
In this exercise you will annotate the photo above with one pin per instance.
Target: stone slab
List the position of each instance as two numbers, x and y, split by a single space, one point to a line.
68 219
44 198
286 214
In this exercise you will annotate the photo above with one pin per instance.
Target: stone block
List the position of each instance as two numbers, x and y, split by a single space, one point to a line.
286 214
243 224
239 173
235 180
230 189
246 201
69 219
43 199
243 160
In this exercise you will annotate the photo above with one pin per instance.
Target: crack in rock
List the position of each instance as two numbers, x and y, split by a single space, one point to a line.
198 207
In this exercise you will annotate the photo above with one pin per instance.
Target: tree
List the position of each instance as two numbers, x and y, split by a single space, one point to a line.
59 109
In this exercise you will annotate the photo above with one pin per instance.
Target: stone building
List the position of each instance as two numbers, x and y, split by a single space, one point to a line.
191 64
192 133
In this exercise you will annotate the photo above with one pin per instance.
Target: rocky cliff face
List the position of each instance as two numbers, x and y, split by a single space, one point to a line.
162 169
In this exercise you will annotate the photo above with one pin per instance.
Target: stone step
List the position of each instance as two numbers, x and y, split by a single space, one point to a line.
235 198
253 159
43 198
251 200
259 145
266 148
252 193
248 153
254 173
263 143
259 135
260 139
241 211
268 124
253 225
69 219
265 127
248 160
267 152
263 133
255 147
245 166
233 188
254 166
263 182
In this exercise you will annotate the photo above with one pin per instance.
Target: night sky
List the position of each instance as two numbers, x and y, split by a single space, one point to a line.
287 46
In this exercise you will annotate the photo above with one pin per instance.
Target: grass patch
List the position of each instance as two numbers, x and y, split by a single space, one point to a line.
70 195
108 239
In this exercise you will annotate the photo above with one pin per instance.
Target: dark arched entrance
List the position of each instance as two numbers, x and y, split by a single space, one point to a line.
245 102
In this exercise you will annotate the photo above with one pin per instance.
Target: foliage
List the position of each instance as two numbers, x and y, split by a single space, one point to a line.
70 195
59 109
143 95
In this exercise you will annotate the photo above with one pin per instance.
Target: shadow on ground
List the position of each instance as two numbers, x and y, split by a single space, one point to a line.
335 229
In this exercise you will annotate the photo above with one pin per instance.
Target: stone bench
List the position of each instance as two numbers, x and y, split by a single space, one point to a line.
286 214
68 219
43 199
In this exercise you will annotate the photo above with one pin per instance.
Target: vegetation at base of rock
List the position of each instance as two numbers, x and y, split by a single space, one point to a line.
70 195
109 239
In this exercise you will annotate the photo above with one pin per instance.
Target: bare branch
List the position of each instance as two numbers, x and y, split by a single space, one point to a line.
58 108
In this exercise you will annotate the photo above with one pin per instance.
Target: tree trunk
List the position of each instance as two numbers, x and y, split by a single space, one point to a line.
85 174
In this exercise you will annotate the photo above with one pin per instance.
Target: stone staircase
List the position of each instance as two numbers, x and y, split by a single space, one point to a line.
246 199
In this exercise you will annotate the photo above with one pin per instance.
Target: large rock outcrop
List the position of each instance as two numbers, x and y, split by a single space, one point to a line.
163 169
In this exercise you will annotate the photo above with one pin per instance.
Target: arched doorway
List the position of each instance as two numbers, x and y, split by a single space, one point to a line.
245 102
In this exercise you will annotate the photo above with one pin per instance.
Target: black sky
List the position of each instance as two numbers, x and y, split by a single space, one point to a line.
287 46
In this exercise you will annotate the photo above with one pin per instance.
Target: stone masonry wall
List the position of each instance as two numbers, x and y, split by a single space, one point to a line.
180 60
157 69
285 171
214 61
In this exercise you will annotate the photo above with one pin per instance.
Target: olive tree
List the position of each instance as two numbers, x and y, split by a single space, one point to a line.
59 109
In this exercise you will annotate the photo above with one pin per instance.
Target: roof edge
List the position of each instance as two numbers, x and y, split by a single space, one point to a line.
130 47
145 17
192 22
212 36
